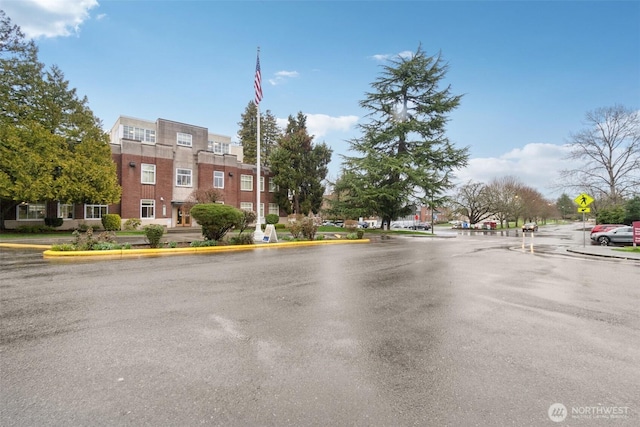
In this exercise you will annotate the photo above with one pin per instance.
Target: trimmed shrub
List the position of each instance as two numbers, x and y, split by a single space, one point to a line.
132 224
242 239
309 228
203 243
53 222
280 226
360 233
272 219
33 229
216 219
295 228
111 222
351 225
153 233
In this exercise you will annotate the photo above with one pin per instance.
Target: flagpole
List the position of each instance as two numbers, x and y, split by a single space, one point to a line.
258 235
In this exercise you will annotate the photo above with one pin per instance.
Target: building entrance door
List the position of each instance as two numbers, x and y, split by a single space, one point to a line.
184 218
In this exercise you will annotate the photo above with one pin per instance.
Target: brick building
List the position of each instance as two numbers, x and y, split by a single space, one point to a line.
159 164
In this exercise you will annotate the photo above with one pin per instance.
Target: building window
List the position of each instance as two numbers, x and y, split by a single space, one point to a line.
246 182
148 174
274 209
28 211
262 184
147 209
139 134
218 179
246 206
65 211
95 211
219 147
184 139
183 177
272 185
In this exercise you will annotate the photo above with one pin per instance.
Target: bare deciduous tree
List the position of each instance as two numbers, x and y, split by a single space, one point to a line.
606 155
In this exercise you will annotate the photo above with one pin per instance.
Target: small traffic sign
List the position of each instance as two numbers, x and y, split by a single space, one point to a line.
584 210
583 200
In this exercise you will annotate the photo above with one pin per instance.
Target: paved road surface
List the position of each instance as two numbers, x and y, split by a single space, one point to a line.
465 331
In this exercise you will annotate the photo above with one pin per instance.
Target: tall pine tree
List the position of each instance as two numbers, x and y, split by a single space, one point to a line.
403 155
299 167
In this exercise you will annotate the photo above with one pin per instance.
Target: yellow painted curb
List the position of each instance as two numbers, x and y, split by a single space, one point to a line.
23 245
119 253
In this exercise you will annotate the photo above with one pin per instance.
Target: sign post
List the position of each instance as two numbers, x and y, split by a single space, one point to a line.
636 233
584 200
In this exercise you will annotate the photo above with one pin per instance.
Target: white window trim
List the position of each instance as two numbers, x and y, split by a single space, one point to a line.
184 139
35 204
262 184
142 172
149 203
184 174
274 209
72 210
244 180
106 211
220 175
246 206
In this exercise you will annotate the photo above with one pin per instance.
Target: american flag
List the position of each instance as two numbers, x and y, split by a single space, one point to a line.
257 83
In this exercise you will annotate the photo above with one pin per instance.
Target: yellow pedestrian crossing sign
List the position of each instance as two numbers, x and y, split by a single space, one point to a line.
583 200
584 210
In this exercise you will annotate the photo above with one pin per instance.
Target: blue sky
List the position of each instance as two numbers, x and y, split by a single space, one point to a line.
529 70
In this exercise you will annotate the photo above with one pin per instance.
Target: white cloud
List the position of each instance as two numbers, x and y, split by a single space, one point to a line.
536 165
381 57
283 76
319 125
48 18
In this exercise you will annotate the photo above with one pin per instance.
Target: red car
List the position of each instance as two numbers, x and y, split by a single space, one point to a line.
604 227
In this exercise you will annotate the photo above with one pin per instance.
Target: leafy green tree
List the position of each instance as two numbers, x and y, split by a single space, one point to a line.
269 134
565 206
404 155
216 219
611 215
632 210
299 168
52 147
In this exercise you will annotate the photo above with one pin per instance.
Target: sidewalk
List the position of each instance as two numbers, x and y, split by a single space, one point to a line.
604 251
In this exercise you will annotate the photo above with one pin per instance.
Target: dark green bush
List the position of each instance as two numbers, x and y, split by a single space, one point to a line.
216 219
153 233
203 243
34 229
242 239
280 226
111 222
53 222
272 219
360 233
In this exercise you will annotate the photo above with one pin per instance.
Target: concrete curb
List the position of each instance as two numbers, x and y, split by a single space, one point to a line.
122 253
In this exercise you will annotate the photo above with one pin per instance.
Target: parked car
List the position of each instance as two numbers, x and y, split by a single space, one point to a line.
530 226
604 227
420 226
620 236
363 224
